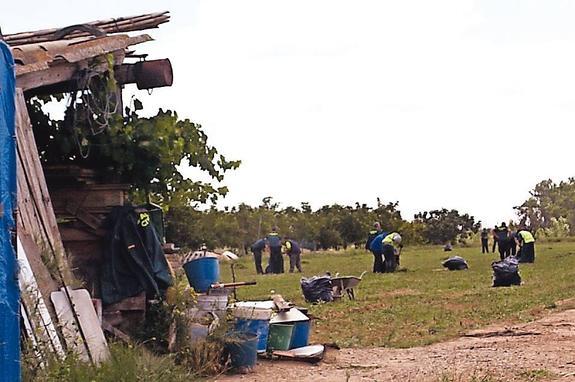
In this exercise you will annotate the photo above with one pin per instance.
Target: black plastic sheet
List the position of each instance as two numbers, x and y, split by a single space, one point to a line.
455 263
506 272
317 289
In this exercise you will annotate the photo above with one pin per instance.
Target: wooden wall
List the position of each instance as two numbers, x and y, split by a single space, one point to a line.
36 223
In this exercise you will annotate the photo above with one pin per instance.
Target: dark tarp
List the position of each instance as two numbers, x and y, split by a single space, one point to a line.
9 292
134 260
455 263
317 289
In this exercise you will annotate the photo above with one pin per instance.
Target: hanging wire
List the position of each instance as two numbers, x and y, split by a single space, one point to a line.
98 110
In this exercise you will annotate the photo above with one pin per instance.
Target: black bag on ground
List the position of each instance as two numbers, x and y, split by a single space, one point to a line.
506 272
317 289
455 263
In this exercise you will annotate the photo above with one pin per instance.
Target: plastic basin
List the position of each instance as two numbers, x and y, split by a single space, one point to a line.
242 348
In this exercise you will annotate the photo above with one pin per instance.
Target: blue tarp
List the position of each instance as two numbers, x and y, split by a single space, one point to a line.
9 293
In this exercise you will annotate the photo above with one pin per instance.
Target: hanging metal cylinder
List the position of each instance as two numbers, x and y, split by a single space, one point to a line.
153 74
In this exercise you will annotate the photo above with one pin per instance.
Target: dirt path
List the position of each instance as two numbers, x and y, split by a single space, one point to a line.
542 350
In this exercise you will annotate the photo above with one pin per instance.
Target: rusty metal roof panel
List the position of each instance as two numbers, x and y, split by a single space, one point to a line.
35 57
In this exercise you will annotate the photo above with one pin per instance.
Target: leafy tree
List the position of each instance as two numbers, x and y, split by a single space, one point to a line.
557 229
549 201
329 238
350 229
442 226
143 152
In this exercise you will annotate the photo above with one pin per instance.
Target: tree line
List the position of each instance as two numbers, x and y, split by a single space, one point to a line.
550 209
331 226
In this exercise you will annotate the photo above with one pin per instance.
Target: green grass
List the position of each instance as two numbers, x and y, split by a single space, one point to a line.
423 304
536 375
127 363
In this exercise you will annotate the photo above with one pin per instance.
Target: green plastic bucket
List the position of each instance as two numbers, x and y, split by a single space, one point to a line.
280 336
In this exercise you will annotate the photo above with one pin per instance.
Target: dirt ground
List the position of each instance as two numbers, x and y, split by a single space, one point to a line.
542 350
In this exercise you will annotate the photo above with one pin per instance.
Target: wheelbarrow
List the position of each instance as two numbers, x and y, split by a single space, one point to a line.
345 284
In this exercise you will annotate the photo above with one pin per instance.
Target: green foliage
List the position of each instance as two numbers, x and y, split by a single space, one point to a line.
128 363
442 226
143 152
557 229
549 200
536 375
204 357
162 315
237 228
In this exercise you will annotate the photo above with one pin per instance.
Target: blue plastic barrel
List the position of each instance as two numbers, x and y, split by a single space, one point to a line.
300 336
260 327
243 350
202 273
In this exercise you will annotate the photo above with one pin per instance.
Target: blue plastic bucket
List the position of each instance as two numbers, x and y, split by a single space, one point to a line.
202 273
300 335
260 327
243 350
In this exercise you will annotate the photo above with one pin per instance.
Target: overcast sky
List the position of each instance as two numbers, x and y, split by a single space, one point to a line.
459 104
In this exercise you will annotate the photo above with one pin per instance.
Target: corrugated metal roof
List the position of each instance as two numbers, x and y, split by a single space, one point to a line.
41 56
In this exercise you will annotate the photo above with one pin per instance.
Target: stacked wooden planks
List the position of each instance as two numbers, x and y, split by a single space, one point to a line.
115 25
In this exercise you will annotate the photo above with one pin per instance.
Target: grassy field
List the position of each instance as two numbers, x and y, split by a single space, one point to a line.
422 303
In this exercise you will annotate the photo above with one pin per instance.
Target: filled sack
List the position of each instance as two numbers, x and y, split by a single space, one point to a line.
506 272
317 289
455 263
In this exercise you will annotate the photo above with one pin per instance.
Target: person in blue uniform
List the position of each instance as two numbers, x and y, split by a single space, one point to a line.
257 248
293 250
274 243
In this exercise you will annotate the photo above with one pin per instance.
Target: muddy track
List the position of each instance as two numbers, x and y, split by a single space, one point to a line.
542 350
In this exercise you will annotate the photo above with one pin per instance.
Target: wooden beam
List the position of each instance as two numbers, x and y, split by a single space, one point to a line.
146 75
62 72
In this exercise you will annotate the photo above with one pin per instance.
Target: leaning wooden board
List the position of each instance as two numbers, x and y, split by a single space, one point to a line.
89 324
40 324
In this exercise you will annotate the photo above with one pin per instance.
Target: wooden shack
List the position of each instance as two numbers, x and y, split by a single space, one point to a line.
61 209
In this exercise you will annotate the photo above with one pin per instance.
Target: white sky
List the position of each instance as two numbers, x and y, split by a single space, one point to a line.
459 104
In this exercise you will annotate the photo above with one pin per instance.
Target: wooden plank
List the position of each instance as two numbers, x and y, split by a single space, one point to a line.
88 197
85 217
131 303
27 219
107 326
115 25
95 346
40 320
70 234
34 178
57 74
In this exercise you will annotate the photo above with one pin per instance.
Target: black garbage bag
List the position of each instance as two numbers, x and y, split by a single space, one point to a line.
455 263
317 288
506 272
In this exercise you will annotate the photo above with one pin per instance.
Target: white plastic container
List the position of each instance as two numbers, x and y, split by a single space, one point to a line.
213 303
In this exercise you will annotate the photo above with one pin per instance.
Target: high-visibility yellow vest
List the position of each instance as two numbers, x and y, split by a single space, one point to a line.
527 237
389 238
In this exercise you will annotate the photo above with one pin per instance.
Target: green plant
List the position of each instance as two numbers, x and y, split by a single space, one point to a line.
535 375
127 363
143 152
206 358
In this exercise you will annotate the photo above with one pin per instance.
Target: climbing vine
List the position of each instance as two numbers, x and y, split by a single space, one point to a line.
142 152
